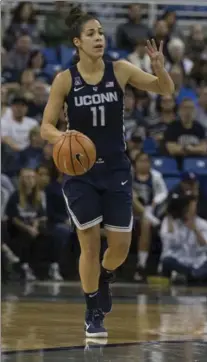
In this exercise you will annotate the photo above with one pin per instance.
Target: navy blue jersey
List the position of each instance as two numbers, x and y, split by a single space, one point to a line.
144 190
97 111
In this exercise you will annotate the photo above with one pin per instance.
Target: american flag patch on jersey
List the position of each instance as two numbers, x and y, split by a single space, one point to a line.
109 84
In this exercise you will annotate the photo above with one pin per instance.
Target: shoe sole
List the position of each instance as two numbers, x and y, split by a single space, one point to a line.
96 335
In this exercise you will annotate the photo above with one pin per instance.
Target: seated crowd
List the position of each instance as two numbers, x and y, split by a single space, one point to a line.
36 230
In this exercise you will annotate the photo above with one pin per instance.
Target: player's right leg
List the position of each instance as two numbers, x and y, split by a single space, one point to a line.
83 203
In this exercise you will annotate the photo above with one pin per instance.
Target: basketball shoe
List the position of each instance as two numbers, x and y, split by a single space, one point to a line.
94 324
105 294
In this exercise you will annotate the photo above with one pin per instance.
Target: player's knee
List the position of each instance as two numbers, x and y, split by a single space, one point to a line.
90 244
121 248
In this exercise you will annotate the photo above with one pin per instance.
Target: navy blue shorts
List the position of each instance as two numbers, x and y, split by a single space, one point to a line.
102 195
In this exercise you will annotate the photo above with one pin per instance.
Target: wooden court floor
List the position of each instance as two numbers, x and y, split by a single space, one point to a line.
146 324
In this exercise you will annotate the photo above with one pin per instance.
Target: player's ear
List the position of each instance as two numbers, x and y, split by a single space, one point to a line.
76 42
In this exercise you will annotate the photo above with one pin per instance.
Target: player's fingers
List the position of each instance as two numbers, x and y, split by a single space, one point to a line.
161 47
148 51
154 45
150 47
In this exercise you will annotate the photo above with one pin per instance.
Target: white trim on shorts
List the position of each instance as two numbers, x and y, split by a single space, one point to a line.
86 225
120 228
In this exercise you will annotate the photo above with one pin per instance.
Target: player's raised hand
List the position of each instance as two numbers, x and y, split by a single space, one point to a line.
156 55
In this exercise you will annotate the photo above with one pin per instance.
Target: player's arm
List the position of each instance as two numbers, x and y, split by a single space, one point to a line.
59 90
160 83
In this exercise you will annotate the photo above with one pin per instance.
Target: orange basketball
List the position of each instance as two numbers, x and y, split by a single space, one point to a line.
74 153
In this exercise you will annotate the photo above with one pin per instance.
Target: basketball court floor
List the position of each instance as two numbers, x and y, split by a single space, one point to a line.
43 322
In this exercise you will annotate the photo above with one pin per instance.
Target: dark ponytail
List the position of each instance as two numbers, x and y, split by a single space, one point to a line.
75 21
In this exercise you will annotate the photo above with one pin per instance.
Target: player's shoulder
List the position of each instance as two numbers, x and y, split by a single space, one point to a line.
63 81
120 64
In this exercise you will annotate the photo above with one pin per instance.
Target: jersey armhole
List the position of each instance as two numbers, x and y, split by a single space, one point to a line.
117 81
70 85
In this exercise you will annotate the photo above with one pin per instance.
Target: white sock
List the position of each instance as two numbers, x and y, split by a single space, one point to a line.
55 266
142 258
25 266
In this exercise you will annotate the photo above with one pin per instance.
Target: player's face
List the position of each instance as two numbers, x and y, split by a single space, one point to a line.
92 40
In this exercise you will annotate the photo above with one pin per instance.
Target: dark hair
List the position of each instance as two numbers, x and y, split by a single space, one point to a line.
75 21
33 54
142 153
186 99
178 204
17 13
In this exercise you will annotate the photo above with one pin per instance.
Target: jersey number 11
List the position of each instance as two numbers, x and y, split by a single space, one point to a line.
98 116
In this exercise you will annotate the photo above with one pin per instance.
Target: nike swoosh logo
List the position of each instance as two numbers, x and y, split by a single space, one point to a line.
77 89
93 295
87 325
124 182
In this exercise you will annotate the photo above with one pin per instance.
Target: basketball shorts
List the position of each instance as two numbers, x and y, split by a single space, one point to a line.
103 195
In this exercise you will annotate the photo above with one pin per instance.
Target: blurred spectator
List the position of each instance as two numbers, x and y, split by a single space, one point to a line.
139 57
199 71
201 111
15 131
170 17
43 180
161 33
37 103
182 88
55 29
18 57
184 240
166 114
23 20
26 221
128 33
149 194
176 51
37 64
6 111
27 79
186 137
195 42
31 157
133 121
134 146
58 218
189 185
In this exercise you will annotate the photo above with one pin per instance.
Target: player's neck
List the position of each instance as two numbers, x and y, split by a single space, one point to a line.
88 66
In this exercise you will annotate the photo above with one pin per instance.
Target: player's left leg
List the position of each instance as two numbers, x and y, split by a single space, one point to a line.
118 220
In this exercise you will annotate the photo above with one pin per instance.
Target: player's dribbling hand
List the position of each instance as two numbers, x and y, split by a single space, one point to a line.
156 55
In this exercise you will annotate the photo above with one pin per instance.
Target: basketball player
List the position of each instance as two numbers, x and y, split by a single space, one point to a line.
94 90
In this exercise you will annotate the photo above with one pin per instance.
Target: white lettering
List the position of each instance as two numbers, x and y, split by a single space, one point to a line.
95 99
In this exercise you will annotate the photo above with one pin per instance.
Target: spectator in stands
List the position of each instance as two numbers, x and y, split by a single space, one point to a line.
26 221
128 33
199 71
37 103
55 29
186 137
18 57
6 111
182 87
43 180
58 218
149 194
31 157
15 131
139 57
134 146
166 114
195 42
23 20
133 121
176 51
189 184
27 80
161 33
201 111
170 17
184 240
37 64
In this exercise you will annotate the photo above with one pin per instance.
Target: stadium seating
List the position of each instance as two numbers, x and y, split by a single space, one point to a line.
197 165
150 146
166 165
171 182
